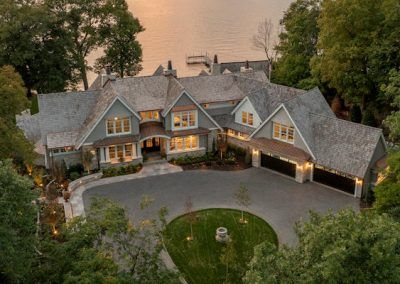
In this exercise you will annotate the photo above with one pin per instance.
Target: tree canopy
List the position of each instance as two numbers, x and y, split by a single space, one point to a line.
17 225
346 247
297 43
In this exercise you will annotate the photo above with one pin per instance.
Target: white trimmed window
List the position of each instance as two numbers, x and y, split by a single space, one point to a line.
150 115
118 125
184 119
283 132
185 143
126 152
247 118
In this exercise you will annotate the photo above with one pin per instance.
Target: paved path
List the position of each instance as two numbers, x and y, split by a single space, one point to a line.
151 169
279 200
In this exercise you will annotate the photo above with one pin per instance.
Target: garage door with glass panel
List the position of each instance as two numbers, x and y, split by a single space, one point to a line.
334 179
278 164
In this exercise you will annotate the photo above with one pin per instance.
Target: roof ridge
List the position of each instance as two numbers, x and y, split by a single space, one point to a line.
301 94
69 92
347 121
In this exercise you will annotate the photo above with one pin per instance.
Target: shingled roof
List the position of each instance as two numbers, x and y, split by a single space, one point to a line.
343 145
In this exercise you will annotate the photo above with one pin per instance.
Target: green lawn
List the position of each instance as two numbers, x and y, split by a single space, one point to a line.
199 259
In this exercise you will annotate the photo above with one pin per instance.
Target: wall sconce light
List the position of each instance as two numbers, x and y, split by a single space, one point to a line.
359 181
255 152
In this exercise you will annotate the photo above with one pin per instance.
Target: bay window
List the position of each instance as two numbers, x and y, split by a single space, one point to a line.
283 132
184 119
118 125
185 143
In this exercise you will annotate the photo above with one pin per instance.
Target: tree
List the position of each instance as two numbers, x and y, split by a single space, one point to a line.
123 53
89 25
87 160
242 197
12 94
191 215
265 39
297 43
105 247
346 247
387 193
392 93
17 225
346 30
34 43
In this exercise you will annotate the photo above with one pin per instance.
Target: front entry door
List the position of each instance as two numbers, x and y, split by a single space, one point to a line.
151 145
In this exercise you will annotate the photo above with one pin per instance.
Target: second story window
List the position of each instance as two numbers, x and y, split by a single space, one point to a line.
184 119
149 115
283 132
118 125
247 118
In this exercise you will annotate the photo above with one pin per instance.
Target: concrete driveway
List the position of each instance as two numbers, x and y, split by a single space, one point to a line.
279 200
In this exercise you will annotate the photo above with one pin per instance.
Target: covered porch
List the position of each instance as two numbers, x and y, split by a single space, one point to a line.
118 150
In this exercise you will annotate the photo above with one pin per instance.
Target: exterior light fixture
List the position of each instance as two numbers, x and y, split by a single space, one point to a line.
115 118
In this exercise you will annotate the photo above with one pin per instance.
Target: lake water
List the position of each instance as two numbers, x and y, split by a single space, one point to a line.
176 28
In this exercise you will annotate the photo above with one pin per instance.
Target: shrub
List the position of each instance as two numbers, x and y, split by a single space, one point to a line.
123 170
74 175
76 168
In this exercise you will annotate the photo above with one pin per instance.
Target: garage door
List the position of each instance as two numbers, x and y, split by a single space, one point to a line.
334 180
278 165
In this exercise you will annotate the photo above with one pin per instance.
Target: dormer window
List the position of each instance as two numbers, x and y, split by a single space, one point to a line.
283 132
247 118
149 115
118 125
184 119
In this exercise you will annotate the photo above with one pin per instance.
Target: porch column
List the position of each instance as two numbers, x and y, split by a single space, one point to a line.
256 158
138 150
102 156
301 172
358 188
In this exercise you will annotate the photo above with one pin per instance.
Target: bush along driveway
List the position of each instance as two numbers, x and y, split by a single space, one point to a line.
277 199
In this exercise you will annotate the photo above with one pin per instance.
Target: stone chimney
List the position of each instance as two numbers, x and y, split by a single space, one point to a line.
215 66
170 70
246 67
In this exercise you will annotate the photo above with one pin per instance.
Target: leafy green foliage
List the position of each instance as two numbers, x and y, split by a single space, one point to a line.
105 247
12 140
337 248
122 170
34 42
297 43
392 93
387 193
17 225
123 53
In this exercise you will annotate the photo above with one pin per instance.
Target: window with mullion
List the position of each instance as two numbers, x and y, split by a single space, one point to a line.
118 125
283 132
184 119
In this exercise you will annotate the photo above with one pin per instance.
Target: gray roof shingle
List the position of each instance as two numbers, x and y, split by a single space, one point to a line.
343 145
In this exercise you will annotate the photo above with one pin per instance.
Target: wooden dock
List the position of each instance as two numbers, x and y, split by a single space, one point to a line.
199 59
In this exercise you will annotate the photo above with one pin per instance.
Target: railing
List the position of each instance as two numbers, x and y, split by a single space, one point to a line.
199 59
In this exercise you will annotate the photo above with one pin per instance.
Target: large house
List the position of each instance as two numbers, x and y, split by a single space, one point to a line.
290 131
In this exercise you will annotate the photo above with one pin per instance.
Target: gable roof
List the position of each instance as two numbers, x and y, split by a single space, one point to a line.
300 106
105 101
343 145
175 92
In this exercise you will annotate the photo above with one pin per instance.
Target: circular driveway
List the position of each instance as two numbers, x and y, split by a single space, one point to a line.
279 200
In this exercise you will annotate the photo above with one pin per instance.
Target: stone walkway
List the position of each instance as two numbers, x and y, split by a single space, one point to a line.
75 207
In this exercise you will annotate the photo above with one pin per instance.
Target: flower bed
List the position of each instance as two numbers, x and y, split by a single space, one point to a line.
120 171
